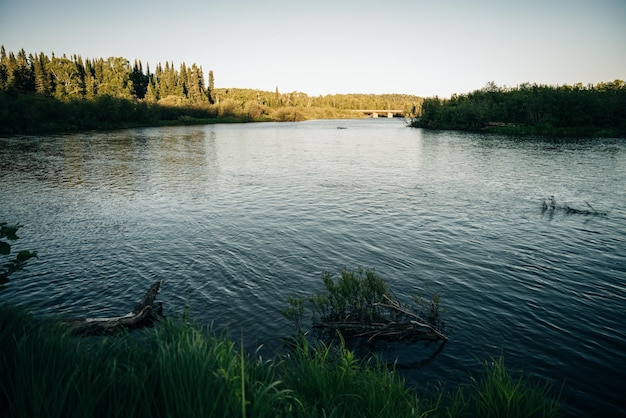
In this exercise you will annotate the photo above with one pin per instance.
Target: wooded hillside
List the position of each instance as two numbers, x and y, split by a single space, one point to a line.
40 93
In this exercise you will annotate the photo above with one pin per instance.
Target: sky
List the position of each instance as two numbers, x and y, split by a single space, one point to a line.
419 47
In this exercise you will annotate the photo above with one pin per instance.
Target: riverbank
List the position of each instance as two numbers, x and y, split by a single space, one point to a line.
32 113
511 129
181 369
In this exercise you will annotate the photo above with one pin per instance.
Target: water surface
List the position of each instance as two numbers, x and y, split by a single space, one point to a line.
234 218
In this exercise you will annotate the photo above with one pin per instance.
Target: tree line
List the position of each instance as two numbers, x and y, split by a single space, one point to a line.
41 93
598 110
70 78
408 103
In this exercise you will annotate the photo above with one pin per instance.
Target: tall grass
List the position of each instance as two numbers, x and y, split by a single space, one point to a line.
28 388
497 393
332 382
185 370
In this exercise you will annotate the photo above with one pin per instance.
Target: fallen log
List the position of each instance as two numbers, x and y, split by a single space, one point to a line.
143 314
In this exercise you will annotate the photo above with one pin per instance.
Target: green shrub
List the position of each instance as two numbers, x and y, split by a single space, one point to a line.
9 265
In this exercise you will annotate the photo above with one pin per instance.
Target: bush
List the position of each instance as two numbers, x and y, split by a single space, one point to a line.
9 265
359 304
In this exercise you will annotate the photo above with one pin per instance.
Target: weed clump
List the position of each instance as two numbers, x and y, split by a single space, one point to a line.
359 304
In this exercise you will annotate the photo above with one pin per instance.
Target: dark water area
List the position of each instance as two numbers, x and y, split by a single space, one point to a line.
235 218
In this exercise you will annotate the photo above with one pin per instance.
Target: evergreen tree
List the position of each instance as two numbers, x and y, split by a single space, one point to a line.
211 91
91 84
182 89
168 82
18 73
151 92
80 67
24 77
197 93
278 98
156 81
43 81
139 80
4 71
98 74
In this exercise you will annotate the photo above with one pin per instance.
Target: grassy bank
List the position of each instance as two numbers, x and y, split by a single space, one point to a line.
560 132
181 370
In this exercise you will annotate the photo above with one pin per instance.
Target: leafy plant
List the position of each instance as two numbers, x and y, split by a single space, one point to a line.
11 265
295 311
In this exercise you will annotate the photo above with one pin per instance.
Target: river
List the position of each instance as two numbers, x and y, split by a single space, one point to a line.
236 217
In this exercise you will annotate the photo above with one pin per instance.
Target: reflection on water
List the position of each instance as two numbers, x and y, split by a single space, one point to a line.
234 218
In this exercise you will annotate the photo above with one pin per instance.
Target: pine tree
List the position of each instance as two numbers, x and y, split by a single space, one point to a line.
91 84
19 73
169 81
43 81
151 92
154 87
80 67
98 74
24 74
211 92
182 81
4 71
195 83
139 80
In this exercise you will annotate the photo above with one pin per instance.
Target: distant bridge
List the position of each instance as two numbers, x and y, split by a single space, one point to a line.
374 113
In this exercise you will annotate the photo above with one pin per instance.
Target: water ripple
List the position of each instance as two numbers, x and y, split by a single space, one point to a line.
236 218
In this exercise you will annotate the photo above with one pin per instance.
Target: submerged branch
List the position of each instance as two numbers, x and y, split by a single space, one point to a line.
551 206
419 321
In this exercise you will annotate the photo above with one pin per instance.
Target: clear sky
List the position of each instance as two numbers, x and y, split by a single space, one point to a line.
420 47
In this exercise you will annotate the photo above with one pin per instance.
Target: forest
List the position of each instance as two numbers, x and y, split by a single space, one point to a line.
41 93
592 110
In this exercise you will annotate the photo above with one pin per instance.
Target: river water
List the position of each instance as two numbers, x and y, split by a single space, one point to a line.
235 218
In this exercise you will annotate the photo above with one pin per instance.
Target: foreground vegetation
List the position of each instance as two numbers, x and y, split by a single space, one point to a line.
40 94
178 369
183 370
594 110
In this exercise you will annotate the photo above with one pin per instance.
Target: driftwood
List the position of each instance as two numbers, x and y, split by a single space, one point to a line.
144 313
